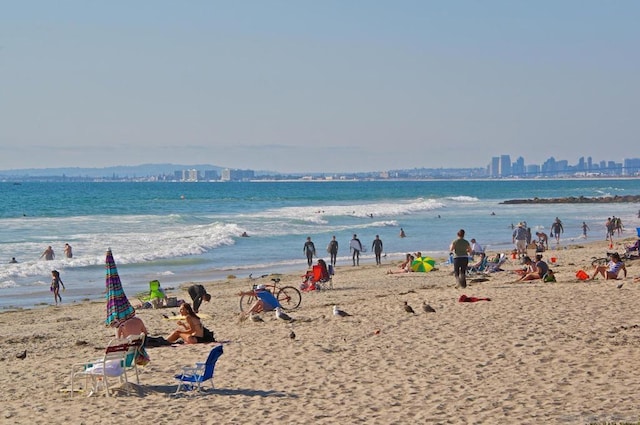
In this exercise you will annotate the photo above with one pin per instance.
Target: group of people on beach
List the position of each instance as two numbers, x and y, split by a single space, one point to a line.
49 255
355 248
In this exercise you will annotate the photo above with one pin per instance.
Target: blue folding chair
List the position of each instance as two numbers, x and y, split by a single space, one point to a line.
192 377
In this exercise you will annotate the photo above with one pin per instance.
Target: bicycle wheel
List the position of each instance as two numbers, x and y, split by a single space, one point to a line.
289 298
600 262
246 301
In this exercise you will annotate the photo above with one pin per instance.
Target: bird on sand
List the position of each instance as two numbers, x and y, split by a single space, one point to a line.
292 335
22 355
408 308
255 318
282 315
427 308
338 312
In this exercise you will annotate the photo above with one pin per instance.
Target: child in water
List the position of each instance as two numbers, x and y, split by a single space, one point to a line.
55 285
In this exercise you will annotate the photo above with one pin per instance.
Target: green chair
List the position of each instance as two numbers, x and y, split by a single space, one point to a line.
155 293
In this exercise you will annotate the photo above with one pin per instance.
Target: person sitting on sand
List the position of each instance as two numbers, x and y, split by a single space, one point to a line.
191 330
612 269
540 268
132 326
265 301
404 267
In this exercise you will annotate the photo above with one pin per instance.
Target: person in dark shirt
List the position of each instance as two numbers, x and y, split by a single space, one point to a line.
198 294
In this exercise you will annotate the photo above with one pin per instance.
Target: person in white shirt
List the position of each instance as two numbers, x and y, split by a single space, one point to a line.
476 248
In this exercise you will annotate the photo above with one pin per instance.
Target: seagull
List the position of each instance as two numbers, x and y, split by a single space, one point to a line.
292 335
282 315
427 308
408 308
22 355
255 318
338 312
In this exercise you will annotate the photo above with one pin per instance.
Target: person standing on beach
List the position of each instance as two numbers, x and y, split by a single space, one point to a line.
584 229
198 294
355 247
48 254
332 249
461 250
55 285
309 250
376 247
67 251
519 238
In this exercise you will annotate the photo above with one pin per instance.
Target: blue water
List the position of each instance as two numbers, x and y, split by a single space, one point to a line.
183 232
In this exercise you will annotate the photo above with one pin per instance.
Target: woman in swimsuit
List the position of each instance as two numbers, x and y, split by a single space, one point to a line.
55 285
190 330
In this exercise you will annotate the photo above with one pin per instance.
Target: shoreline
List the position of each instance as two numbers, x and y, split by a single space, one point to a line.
536 353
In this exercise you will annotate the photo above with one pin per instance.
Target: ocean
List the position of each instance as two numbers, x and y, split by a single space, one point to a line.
191 232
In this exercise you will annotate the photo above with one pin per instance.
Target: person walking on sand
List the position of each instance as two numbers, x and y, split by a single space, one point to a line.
309 250
55 286
332 249
376 247
461 249
355 246
67 251
48 254
556 229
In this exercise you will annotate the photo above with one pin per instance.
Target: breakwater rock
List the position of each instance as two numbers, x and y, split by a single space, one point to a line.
576 200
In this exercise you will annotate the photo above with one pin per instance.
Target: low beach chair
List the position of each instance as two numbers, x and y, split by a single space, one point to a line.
111 365
193 377
497 267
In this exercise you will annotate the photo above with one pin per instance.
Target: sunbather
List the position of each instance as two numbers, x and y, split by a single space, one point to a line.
191 330
540 268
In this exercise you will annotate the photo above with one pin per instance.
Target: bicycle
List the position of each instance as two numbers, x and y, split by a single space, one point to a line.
603 261
288 296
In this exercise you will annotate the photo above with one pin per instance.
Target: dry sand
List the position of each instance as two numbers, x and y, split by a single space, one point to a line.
559 353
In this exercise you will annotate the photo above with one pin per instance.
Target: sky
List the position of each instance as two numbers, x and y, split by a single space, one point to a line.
317 86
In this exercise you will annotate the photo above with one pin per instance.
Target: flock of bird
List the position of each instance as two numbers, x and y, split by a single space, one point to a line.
281 315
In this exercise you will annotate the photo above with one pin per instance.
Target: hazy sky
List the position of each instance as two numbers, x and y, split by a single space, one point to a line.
317 85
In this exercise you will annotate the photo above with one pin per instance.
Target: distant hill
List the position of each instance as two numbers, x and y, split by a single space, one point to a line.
120 171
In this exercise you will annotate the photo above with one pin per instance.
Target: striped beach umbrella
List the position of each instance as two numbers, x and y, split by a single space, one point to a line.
423 264
119 308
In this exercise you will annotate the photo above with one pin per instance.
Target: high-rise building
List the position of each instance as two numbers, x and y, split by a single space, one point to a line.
505 165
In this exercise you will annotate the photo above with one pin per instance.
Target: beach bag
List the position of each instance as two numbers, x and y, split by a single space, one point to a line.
207 335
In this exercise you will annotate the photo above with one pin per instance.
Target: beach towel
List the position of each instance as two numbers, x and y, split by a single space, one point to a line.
464 299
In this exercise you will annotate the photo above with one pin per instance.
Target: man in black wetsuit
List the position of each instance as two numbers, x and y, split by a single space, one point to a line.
198 294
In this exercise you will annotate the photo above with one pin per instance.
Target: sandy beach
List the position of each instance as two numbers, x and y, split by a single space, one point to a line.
557 353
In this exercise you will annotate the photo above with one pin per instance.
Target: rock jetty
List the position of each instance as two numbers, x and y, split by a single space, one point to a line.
576 200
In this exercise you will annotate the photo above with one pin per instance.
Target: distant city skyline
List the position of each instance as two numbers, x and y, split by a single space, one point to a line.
498 167
328 86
